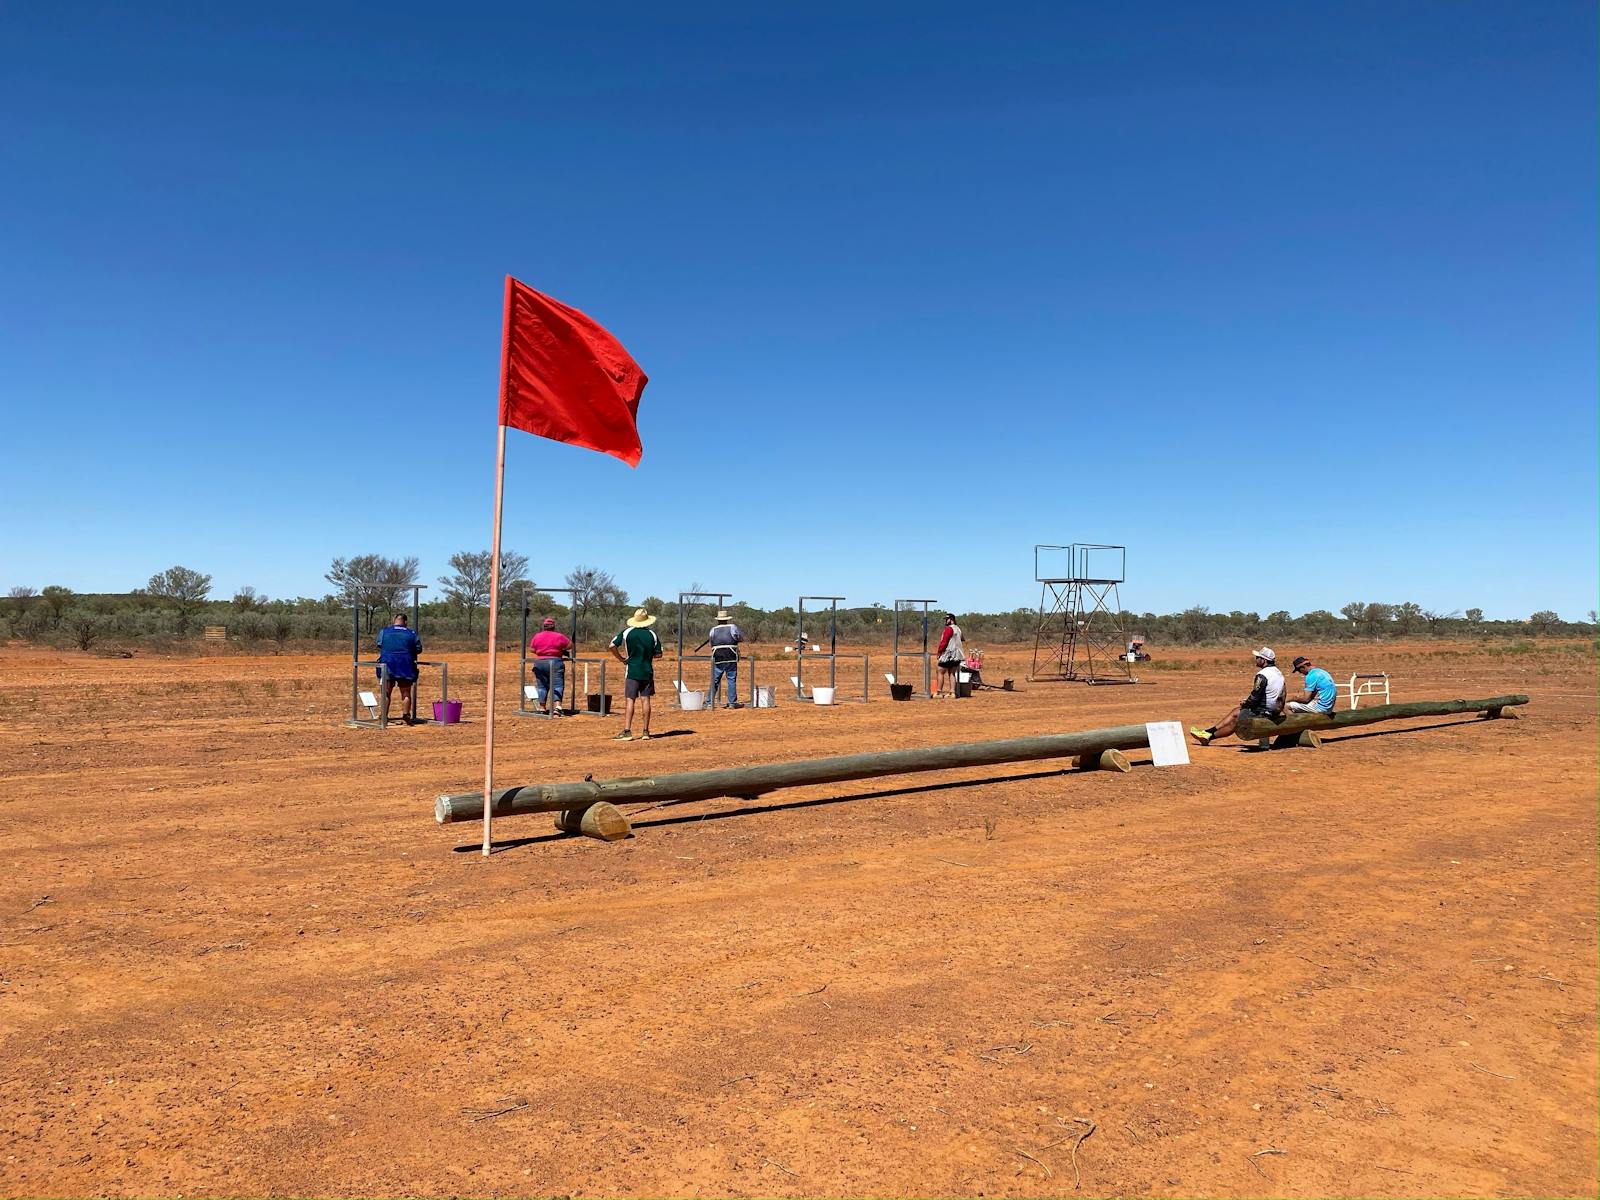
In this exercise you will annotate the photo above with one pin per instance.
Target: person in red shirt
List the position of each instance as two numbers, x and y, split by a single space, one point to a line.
550 649
951 654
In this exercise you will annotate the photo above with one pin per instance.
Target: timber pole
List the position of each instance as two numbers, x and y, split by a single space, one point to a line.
1254 728
756 780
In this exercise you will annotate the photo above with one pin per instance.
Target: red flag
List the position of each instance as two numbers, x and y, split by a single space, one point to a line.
565 378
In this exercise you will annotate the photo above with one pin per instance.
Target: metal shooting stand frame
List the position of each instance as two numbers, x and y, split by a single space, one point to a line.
926 655
832 654
1080 635
358 700
571 659
686 601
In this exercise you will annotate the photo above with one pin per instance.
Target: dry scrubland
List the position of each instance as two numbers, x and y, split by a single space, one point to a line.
237 956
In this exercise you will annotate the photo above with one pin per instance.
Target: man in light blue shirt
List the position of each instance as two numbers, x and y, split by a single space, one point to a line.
1320 690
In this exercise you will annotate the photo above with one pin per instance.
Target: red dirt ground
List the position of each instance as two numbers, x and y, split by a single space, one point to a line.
237 955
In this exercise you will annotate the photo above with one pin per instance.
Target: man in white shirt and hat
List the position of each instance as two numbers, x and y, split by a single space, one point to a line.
1265 700
724 640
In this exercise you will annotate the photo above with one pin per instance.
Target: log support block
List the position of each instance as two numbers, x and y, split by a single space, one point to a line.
1500 714
601 821
1305 739
1106 760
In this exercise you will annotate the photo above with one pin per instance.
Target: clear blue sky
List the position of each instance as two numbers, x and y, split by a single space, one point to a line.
1298 301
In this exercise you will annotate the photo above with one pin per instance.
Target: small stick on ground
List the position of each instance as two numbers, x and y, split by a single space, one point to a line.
34 905
1133 1131
814 991
780 1167
1076 1140
1486 1071
1048 1173
954 863
1258 1154
737 1079
512 1104
1313 962
1553 979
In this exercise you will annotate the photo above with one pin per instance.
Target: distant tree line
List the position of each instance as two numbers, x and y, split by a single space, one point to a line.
176 603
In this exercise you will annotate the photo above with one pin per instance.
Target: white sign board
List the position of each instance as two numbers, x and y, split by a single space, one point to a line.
1167 747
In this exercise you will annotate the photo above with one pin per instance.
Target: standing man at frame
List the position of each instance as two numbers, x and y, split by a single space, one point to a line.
398 648
639 647
724 640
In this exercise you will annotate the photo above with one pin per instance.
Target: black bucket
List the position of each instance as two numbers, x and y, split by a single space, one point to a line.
601 704
1006 685
899 691
963 690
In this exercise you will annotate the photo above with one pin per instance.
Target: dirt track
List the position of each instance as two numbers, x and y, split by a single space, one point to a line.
238 956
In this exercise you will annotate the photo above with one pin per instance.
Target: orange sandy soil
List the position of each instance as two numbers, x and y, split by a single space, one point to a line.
237 955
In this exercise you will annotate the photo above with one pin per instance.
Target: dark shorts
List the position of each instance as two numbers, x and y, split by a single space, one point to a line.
1260 714
634 688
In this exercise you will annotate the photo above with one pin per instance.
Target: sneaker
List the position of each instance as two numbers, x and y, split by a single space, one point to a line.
1200 735
645 736
625 736
736 704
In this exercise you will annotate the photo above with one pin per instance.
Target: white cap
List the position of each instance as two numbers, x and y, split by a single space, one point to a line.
1266 653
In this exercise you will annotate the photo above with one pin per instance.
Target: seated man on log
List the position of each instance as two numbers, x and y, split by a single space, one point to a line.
1265 700
1320 691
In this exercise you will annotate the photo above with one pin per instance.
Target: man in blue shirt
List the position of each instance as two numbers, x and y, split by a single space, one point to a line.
398 648
1320 690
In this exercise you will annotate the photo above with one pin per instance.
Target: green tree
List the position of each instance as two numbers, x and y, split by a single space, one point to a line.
1474 616
56 599
1544 620
594 594
184 589
371 582
247 599
469 586
1407 616
1436 619
21 599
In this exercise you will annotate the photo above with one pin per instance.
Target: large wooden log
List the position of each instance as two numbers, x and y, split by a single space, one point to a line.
757 780
1252 728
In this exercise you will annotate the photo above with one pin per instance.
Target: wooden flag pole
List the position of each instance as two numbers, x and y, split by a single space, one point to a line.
494 629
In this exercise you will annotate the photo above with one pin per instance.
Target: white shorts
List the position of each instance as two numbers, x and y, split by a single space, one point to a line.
1296 706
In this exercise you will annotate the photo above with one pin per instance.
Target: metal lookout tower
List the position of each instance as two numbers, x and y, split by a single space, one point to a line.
1080 635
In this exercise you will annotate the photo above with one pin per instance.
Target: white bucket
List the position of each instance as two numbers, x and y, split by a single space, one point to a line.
822 695
761 698
961 677
691 701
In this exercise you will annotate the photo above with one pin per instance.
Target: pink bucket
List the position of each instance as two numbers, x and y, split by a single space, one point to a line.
447 712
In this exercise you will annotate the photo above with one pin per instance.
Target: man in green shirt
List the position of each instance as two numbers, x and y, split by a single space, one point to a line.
639 647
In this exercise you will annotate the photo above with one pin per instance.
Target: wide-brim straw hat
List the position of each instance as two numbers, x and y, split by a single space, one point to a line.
640 619
723 615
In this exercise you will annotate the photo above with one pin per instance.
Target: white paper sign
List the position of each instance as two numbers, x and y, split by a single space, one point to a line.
529 692
1167 747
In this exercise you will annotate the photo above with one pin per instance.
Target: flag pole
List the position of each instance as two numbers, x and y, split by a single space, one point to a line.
494 611
494 578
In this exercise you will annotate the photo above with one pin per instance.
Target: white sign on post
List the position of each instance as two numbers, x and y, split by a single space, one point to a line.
1167 747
